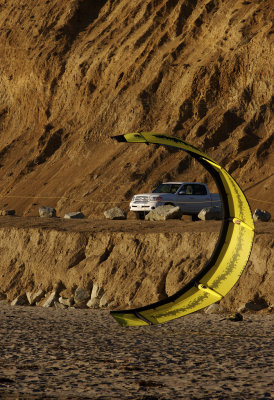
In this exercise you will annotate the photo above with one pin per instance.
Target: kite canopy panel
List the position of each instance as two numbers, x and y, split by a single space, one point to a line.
230 255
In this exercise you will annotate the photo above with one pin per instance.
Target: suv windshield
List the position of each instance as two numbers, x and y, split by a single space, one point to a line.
167 188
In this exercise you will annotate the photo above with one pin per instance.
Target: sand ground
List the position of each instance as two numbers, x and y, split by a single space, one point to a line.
85 354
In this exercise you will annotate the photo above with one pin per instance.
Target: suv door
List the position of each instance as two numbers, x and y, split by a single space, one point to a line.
185 197
201 198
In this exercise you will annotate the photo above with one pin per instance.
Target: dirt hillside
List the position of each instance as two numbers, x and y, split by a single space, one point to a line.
76 72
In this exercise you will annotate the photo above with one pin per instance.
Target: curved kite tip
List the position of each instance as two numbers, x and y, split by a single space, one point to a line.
119 138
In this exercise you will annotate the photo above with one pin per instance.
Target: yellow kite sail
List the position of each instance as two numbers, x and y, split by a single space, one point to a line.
230 255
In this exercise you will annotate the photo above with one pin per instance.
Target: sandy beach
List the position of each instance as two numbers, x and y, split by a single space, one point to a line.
85 354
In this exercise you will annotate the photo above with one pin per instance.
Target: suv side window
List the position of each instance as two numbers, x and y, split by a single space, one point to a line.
174 188
200 190
187 189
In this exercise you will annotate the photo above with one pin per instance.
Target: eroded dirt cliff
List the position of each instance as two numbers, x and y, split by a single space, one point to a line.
134 262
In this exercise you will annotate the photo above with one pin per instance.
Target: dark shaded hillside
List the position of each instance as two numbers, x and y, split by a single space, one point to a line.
74 73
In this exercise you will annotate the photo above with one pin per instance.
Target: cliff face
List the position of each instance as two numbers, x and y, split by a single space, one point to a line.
75 72
133 263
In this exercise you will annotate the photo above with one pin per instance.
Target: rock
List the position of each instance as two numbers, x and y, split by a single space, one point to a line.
29 297
47 212
213 309
261 215
20 301
95 296
35 297
103 301
49 302
115 213
162 213
235 317
81 295
59 305
7 212
66 302
242 309
93 303
210 213
74 215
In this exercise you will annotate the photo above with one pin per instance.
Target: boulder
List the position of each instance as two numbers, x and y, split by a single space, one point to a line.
65 301
210 213
35 297
59 305
103 301
213 309
115 213
20 300
49 302
96 295
162 213
235 317
74 215
242 309
47 212
261 215
81 296
7 212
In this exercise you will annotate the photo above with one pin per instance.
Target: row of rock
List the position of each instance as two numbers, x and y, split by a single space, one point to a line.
7 212
82 298
163 213
48 212
250 306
